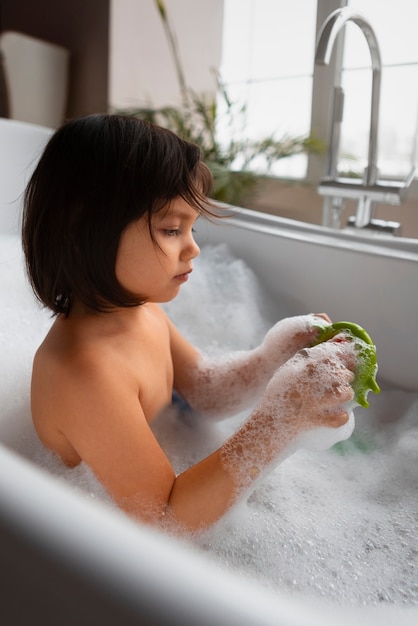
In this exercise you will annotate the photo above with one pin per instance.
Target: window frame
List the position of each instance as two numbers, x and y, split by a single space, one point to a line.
322 85
323 80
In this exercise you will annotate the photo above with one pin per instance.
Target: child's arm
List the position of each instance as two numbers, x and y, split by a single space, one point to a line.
225 385
102 418
308 391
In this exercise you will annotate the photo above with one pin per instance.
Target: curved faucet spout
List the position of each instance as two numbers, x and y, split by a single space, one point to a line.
332 26
329 32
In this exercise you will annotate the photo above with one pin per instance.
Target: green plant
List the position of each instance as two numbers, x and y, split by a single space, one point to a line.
199 119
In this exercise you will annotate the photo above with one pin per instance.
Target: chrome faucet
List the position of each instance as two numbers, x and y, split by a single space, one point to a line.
369 191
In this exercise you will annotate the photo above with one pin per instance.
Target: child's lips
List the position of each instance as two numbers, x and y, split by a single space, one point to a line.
183 277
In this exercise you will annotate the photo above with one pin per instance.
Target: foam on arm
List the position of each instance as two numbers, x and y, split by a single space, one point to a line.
226 385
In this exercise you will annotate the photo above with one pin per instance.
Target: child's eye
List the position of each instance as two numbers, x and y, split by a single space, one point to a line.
172 232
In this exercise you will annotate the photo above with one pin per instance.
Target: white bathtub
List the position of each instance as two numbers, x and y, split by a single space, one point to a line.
65 559
372 281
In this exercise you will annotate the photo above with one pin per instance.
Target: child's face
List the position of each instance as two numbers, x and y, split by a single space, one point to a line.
156 272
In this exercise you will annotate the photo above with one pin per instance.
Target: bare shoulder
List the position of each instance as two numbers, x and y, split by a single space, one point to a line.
86 407
180 346
63 360
95 350
72 379
65 377
88 376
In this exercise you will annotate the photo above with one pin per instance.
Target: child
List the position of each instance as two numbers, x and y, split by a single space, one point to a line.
108 235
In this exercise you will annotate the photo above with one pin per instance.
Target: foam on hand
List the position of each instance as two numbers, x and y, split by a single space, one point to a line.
322 438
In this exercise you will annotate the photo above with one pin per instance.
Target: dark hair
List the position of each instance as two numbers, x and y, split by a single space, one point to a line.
97 175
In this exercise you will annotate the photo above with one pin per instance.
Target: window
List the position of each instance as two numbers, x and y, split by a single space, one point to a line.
268 63
395 28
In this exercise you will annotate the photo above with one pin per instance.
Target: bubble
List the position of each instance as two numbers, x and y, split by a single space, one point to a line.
340 524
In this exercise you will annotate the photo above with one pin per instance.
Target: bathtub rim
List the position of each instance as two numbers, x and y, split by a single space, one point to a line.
57 522
380 245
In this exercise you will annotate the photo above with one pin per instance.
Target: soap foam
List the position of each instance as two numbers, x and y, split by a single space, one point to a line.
340 524
342 527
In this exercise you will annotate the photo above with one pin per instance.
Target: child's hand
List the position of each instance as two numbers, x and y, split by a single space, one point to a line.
310 389
305 393
290 335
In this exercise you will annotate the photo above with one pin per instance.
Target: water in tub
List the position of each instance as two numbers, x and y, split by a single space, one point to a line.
340 524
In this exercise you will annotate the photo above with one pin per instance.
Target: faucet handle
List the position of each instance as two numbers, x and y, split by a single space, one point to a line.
384 227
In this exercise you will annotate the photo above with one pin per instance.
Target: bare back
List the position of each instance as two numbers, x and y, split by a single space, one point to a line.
81 353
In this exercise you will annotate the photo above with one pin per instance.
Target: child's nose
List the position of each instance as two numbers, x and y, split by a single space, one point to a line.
191 250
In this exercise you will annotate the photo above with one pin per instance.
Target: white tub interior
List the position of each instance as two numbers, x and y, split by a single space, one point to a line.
324 535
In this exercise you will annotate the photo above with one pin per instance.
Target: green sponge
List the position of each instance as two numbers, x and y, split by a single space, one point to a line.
366 368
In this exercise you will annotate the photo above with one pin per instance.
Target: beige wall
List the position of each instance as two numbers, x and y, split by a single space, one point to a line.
81 26
119 55
141 65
